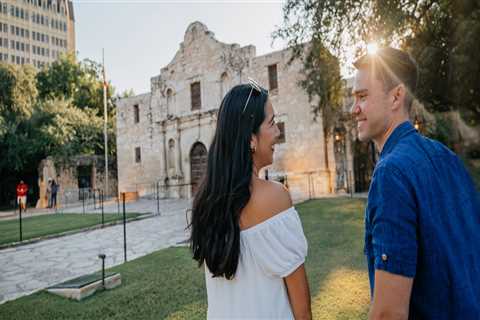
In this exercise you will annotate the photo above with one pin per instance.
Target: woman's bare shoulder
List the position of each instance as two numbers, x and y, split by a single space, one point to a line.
268 199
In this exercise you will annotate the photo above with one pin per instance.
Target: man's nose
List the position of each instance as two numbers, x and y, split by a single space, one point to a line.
354 109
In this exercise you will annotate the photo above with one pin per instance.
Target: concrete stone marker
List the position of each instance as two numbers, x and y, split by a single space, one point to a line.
85 286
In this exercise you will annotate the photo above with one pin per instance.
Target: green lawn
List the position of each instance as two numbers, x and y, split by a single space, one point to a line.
43 225
168 285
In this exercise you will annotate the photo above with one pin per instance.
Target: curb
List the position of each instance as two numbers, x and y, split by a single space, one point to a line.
68 233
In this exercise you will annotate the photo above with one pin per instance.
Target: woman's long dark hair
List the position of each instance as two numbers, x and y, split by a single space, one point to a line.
225 190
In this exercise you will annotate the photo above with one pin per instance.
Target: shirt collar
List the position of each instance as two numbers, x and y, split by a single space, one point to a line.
402 130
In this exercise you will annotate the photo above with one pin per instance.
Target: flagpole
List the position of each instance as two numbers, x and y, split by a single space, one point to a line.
105 122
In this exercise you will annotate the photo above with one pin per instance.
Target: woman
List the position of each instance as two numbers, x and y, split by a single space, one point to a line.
244 229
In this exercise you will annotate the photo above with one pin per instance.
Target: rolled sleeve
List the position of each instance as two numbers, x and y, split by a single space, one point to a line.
392 223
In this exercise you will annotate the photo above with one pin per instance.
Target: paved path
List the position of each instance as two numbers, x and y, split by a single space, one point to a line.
29 268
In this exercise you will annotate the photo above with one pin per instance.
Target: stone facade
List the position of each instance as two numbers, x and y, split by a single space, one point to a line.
80 176
159 136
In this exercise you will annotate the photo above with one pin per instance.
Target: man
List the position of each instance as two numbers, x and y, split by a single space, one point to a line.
55 187
22 190
422 221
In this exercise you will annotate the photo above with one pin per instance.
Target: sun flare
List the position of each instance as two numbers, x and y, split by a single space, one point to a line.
372 48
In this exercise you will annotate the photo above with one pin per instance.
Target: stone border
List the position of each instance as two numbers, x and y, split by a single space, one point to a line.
67 233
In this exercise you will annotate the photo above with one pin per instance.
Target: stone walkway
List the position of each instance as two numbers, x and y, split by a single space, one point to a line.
29 268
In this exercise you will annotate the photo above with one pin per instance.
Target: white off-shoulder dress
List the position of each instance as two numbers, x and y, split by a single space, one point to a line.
269 251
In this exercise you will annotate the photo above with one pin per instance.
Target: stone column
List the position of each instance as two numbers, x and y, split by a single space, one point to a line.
178 153
163 156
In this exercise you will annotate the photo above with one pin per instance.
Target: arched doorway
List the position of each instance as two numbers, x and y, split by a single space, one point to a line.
198 165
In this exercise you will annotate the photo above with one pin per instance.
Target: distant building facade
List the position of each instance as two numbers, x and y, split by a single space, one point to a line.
36 32
163 136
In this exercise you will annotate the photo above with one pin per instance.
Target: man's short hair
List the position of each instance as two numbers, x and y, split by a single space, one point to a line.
392 67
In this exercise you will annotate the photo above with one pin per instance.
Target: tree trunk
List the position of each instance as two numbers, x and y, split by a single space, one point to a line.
325 152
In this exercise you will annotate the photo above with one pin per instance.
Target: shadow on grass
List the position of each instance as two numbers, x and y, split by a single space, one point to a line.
335 264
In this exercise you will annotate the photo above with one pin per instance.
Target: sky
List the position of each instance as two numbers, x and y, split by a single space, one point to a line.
140 37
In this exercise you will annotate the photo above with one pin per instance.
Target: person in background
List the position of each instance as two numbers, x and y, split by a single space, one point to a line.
54 190
22 189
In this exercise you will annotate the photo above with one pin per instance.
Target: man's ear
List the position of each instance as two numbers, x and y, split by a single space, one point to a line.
398 96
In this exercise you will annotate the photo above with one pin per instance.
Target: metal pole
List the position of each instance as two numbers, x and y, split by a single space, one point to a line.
102 256
105 116
158 198
20 215
118 204
124 230
94 199
101 203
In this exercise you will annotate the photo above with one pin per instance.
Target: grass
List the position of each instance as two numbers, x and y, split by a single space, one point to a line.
51 224
168 285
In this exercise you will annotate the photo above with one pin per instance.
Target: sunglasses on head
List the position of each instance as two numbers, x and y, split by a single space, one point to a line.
255 86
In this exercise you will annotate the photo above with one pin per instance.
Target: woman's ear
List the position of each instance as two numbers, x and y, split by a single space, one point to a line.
253 143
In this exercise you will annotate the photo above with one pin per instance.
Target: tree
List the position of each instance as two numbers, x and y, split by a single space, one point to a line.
442 35
80 81
56 112
322 80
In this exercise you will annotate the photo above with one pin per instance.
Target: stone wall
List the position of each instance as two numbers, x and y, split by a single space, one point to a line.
168 127
65 173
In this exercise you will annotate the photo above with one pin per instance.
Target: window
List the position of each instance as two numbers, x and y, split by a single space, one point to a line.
138 155
136 114
196 95
12 29
272 77
223 85
281 127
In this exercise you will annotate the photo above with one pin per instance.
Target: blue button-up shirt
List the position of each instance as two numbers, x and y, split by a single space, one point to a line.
422 221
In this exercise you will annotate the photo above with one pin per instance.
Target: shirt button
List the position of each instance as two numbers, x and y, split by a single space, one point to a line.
384 257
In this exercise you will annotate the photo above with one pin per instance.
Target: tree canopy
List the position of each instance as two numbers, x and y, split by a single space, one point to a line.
57 111
442 35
